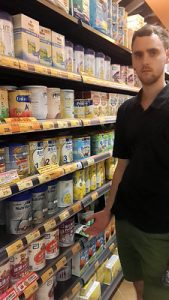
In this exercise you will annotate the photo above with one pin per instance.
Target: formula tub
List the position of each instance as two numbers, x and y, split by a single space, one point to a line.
20 104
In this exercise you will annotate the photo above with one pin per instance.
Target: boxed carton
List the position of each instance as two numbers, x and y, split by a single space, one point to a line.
45 36
93 293
80 262
112 267
58 50
81 10
26 38
99 14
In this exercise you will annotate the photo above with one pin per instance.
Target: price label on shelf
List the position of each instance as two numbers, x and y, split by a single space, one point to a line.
75 123
76 207
24 184
41 69
10 294
76 289
14 248
5 129
47 275
25 282
62 124
73 76
48 125
96 265
90 161
25 127
94 195
49 225
10 62
60 264
86 122
32 236
44 178
76 248
31 289
5 192
64 215
15 127
36 126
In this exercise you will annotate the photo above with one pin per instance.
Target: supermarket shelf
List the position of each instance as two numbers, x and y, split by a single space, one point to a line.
19 243
18 127
50 174
109 290
68 290
106 253
46 13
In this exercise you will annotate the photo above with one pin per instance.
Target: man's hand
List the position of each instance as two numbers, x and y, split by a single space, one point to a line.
101 221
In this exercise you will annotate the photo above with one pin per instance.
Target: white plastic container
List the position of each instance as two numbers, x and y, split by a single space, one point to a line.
99 65
26 38
69 56
89 62
67 103
45 36
58 50
39 101
78 60
66 233
54 109
6 34
19 265
107 64
50 152
65 191
46 291
52 244
37 260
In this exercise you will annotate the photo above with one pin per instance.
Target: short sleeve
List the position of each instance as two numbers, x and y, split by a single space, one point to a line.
121 147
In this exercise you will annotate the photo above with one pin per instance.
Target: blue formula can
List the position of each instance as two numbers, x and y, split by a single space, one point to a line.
19 213
81 148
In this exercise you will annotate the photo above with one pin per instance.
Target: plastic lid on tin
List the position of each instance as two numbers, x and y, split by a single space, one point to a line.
72 91
68 44
40 189
54 88
53 182
78 48
5 16
34 87
21 197
17 144
100 54
89 51
108 58
8 87
67 177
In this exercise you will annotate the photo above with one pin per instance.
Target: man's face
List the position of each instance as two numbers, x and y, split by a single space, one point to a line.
149 58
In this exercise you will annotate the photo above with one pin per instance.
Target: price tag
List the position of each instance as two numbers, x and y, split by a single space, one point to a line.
76 207
23 65
90 161
32 236
94 196
9 62
47 275
64 215
14 248
49 225
41 69
48 125
62 124
49 71
31 289
5 192
76 288
73 76
25 281
76 248
60 264
75 123
36 126
24 184
44 178
5 129
96 265
86 122
25 127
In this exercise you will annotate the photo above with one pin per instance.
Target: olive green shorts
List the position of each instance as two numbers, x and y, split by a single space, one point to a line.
144 257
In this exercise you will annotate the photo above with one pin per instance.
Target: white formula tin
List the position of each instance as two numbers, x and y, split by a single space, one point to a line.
36 156
50 152
4 277
52 244
67 103
65 191
39 204
78 61
66 233
99 65
6 34
37 260
19 213
39 101
19 265
54 109
89 62
65 149
46 291
52 197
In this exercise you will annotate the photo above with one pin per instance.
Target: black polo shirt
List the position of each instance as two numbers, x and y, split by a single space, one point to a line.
143 138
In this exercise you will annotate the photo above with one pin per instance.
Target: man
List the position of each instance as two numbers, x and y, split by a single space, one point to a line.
139 195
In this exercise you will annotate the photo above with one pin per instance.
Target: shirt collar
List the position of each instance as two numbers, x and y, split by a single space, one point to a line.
160 100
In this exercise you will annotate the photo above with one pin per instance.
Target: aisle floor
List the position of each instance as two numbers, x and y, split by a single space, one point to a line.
125 292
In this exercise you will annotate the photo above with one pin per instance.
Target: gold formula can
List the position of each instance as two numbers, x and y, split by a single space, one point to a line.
36 156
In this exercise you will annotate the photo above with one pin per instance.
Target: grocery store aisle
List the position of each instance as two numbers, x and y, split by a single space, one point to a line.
125 292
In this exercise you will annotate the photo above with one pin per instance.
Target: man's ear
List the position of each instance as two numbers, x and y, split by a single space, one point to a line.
167 56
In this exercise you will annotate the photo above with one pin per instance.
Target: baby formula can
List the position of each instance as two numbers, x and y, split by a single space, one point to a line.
66 233
69 56
98 175
93 183
107 64
4 108
79 185
81 148
87 180
52 244
79 108
6 34
54 109
65 191
36 156
39 203
78 61
89 109
4 277
99 65
52 197
19 265
39 101
46 291
89 62
19 213
20 103
65 149
17 157
2 159
50 152
67 103
110 167
37 260
65 273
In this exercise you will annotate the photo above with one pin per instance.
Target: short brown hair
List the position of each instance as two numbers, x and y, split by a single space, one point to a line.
148 30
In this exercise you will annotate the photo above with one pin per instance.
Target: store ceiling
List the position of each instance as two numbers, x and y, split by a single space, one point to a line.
140 7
